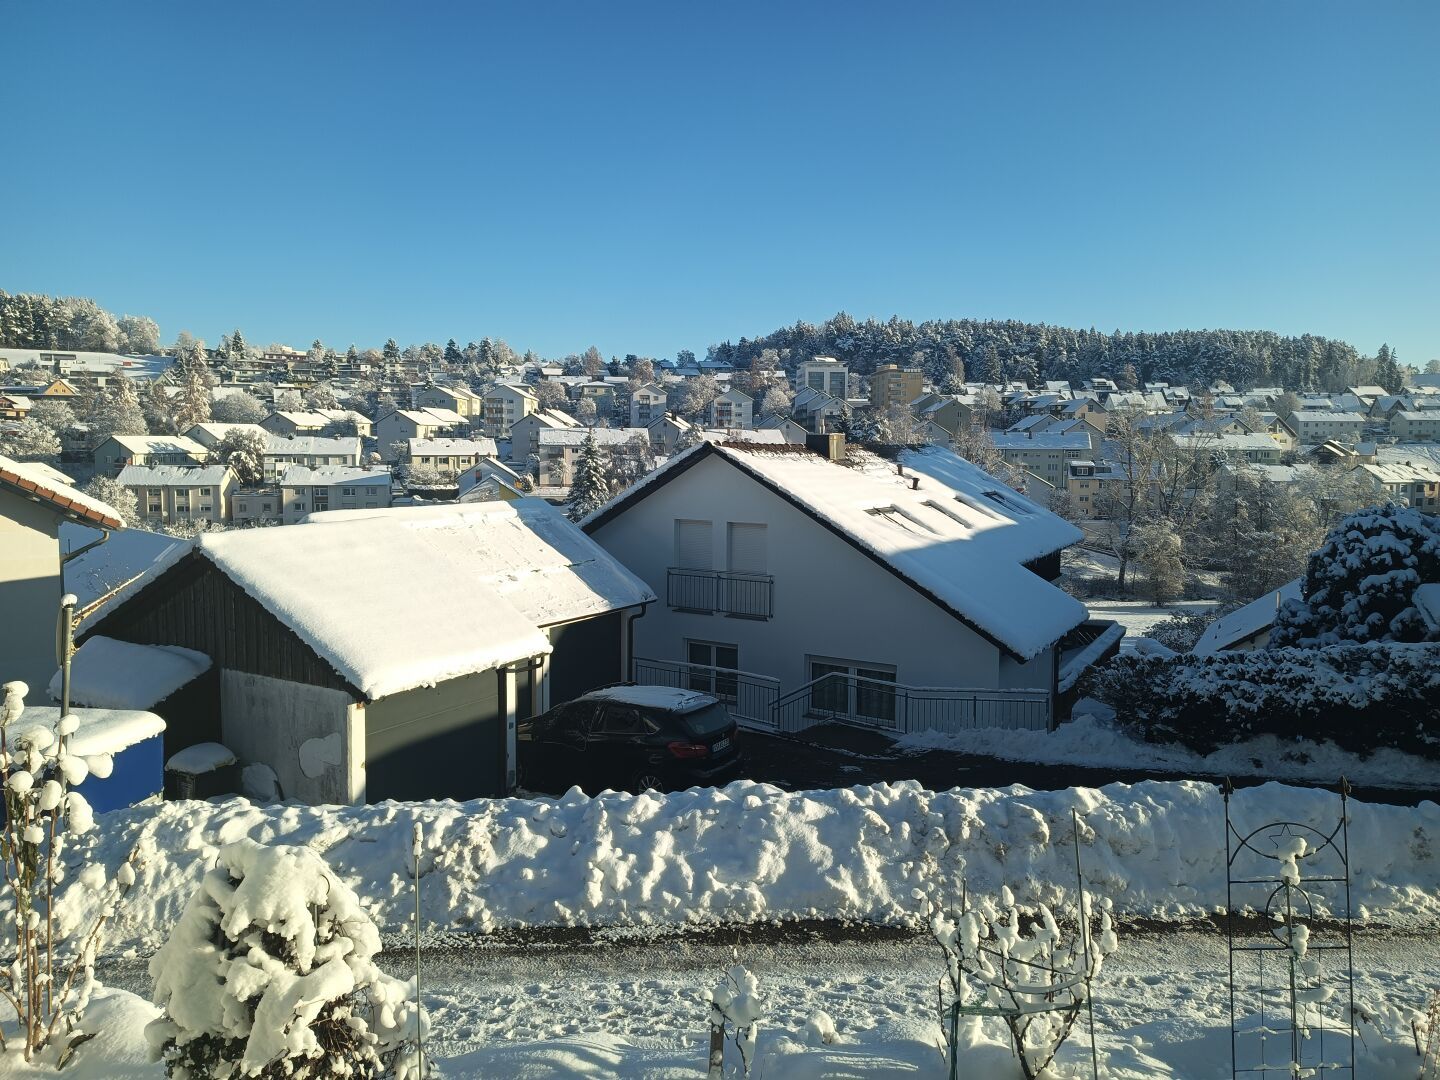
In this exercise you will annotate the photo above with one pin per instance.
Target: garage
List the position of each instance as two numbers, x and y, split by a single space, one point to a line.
446 739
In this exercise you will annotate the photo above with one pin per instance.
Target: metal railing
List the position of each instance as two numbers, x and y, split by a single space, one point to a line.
751 697
865 702
728 592
839 697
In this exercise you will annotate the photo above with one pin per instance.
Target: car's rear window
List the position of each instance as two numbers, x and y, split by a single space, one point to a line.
711 720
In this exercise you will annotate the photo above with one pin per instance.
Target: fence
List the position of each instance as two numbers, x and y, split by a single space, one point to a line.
728 592
841 697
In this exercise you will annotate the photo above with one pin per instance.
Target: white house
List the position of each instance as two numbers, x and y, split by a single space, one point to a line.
525 432
800 588
560 449
647 404
114 453
399 426
826 374
1321 425
459 399
732 409
449 455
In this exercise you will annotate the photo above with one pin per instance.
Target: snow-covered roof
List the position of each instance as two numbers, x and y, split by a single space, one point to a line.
101 731
96 574
1247 621
961 537
324 475
603 436
654 697
524 550
1427 602
449 447
1403 472
375 602
765 436
1331 416
110 674
172 475
1043 440
36 484
311 445
160 444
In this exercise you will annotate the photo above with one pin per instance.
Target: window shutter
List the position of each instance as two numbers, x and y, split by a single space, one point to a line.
693 547
747 548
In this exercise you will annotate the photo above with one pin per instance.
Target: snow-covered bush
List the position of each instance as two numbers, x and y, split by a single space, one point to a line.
1035 976
735 1008
270 973
1180 631
1362 697
48 986
1360 585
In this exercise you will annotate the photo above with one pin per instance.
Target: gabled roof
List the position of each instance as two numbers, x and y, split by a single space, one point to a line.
32 483
172 475
160 444
961 538
1246 622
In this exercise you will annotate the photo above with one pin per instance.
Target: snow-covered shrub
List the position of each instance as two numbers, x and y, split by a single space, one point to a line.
735 1008
270 973
1362 697
1360 585
1180 631
48 986
1035 975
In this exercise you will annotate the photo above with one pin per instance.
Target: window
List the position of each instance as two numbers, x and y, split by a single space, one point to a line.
860 690
693 546
900 518
624 720
713 654
746 548
204 491
265 506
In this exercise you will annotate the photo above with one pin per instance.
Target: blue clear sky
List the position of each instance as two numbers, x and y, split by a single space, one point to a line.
649 177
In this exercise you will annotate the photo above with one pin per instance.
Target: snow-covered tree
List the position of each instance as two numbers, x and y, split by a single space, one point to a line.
631 461
116 411
592 362
699 392
115 494
271 973
238 407
29 440
321 396
586 412
243 449
139 335
897 426
736 1005
55 413
1360 585
192 404
591 486
777 400
550 394
1160 556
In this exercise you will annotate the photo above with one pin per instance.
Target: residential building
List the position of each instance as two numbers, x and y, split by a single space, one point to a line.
456 398
1416 425
395 429
449 455
296 422
34 506
826 374
1257 448
560 449
793 432
1322 425
387 654
175 494
1089 485
1410 483
894 385
256 506
666 432
305 491
731 409
1044 455
525 432
504 406
777 564
118 451
647 404
817 411
1247 628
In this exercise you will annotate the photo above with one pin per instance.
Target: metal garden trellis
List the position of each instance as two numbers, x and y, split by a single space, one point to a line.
1300 912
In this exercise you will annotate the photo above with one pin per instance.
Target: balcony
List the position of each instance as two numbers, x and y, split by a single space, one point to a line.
721 592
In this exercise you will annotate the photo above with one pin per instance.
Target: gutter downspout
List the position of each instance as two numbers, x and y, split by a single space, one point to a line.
630 640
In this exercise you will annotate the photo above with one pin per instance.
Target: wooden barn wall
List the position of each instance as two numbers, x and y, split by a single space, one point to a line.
195 606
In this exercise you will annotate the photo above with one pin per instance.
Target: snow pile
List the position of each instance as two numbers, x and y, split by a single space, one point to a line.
749 853
110 674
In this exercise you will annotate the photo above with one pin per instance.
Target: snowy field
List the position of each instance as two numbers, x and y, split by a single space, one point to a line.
1138 616
662 878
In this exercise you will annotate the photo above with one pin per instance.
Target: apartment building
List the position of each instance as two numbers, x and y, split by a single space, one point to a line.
732 409
826 374
647 404
173 495
450 455
504 406
118 451
460 399
1044 454
1416 425
560 449
332 487
399 426
1322 425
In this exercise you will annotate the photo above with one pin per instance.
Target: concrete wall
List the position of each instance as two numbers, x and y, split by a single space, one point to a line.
30 590
302 732
829 599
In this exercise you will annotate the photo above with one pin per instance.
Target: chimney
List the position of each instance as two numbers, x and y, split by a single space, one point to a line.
830 445
914 483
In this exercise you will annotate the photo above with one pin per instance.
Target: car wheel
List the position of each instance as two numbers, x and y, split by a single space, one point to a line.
647 780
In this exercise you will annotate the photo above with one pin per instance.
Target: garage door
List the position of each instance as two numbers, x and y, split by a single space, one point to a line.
444 742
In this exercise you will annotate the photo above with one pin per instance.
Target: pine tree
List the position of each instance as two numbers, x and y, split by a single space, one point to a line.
453 358
994 370
238 350
591 486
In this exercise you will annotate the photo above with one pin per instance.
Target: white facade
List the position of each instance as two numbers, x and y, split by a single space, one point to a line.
831 604
825 374
314 491
504 405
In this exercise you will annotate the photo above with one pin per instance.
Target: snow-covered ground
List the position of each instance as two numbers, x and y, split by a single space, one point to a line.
632 1011
1138 616
1091 740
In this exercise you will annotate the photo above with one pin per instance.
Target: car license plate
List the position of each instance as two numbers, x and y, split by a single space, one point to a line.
723 744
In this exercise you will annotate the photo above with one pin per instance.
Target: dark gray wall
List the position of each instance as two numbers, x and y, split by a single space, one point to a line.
441 742
586 655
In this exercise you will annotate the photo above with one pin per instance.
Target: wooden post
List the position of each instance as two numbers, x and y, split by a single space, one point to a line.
716 1069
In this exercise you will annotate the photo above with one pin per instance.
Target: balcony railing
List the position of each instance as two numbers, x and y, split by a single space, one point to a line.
751 697
724 592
